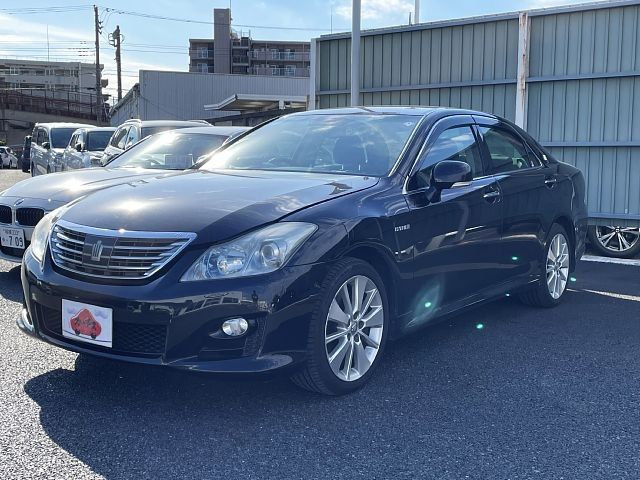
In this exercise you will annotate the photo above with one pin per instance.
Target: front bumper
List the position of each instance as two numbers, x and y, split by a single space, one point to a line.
166 322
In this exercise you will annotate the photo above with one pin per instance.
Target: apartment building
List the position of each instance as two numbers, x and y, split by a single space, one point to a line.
236 52
43 75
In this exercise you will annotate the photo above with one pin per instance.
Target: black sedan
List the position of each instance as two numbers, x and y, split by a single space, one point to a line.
307 244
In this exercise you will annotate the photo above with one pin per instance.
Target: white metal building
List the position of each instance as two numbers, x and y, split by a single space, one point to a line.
161 95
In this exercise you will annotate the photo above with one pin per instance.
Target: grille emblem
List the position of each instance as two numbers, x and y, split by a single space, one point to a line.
96 251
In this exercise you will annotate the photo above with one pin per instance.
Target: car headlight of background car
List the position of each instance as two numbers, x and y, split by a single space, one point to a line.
262 251
41 233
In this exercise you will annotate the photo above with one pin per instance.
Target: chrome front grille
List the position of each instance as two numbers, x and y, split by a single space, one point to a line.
114 254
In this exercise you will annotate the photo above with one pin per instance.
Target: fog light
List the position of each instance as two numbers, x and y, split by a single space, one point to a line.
235 327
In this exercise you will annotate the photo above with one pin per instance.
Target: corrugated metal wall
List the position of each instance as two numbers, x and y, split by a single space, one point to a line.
471 65
584 101
182 95
583 84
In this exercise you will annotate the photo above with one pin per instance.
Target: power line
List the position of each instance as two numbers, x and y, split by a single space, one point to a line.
204 22
50 9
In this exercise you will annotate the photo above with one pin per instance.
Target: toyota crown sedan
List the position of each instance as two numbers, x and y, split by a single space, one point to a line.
307 244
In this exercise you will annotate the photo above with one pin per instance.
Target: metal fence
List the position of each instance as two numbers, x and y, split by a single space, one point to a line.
69 104
569 75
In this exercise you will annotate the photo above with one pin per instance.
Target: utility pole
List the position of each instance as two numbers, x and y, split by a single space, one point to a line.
355 53
416 12
98 76
114 40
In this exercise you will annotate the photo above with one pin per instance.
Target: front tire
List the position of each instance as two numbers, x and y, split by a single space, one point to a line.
550 289
348 330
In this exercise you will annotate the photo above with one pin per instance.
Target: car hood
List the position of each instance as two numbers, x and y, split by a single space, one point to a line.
215 205
61 188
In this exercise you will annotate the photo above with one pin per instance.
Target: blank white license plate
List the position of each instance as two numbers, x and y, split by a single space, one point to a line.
87 323
12 237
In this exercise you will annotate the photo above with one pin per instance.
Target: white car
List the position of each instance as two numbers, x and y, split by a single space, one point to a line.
8 159
134 130
48 141
86 147
24 204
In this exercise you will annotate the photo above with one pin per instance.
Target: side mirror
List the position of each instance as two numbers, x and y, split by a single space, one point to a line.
79 147
444 175
46 145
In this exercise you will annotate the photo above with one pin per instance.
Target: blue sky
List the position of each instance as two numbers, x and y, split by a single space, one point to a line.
161 44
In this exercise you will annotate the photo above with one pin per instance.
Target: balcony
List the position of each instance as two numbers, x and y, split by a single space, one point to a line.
201 53
279 72
240 60
283 56
201 69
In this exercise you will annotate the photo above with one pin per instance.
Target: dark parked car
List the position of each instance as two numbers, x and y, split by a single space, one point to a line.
25 158
309 242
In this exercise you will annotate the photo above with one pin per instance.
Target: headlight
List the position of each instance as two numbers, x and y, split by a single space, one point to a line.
40 235
258 252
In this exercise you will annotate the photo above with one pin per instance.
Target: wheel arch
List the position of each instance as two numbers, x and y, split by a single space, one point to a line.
379 259
567 224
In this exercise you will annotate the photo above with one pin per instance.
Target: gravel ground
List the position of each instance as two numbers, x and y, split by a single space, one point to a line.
534 394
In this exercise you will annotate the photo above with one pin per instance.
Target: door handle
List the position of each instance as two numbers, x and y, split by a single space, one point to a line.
491 195
550 182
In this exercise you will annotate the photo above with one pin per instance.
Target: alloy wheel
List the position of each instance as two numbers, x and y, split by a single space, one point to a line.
557 265
617 239
353 330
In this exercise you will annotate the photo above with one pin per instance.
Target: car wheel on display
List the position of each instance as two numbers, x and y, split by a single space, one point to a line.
348 330
548 292
615 241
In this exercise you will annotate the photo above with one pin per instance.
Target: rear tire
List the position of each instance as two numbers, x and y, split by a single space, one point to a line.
610 241
554 275
355 335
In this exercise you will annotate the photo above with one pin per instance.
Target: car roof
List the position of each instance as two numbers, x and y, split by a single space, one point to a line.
165 123
63 125
396 110
98 129
213 130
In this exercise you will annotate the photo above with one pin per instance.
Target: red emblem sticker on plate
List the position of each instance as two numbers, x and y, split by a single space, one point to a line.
87 323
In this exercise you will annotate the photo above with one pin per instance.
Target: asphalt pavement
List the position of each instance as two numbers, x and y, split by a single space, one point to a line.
541 394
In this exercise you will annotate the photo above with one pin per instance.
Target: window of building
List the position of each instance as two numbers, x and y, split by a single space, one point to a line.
203 52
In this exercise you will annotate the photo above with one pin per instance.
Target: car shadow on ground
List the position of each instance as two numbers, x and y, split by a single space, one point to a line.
503 376
10 286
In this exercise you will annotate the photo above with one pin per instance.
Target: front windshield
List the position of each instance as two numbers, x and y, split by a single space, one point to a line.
362 144
169 151
60 137
146 131
98 140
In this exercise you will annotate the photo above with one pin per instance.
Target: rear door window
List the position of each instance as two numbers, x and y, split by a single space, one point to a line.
507 153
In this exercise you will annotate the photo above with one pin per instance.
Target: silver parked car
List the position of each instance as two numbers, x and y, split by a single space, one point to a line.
48 142
8 158
135 130
86 147
24 204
